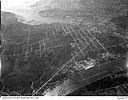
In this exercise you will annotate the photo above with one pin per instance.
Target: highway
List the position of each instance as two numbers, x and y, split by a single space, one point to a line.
91 75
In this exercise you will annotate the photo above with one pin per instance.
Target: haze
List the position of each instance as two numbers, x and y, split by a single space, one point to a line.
25 10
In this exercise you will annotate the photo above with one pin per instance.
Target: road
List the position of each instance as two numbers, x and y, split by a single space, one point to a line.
91 75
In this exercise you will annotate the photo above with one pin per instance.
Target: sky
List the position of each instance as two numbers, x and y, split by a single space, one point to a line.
11 5
27 11
24 9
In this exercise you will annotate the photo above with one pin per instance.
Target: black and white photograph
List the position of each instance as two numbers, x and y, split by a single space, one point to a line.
64 48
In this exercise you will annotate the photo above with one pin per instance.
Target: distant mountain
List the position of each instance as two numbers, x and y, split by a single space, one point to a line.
16 31
8 18
11 28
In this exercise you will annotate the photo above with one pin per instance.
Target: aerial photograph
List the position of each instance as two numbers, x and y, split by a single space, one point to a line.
64 48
